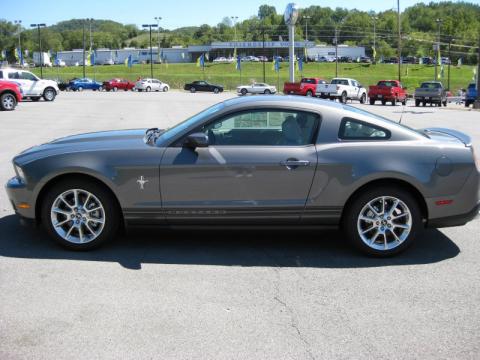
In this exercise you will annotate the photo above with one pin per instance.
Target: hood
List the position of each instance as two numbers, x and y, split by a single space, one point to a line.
97 141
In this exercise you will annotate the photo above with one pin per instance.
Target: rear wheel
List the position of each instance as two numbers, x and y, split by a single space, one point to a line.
49 94
80 214
243 92
216 90
417 103
394 102
363 99
165 89
445 103
383 102
192 89
148 89
343 98
8 102
404 102
382 221
267 92
309 93
372 101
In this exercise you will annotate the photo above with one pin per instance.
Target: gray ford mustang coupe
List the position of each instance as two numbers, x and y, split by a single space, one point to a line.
272 161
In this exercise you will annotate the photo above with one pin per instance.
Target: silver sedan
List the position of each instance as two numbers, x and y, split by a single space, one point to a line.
256 88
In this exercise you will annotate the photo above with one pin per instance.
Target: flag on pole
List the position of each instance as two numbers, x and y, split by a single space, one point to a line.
459 62
128 61
277 64
201 61
238 64
300 64
91 58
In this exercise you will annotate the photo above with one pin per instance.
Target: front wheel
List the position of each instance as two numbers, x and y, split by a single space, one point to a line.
363 99
267 92
8 102
216 90
382 221
148 89
49 94
165 89
417 103
445 103
243 92
394 102
372 101
309 93
192 89
80 214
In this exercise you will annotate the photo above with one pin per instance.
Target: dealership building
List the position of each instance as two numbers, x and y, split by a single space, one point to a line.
178 54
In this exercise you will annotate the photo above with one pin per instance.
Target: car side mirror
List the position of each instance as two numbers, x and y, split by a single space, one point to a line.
197 140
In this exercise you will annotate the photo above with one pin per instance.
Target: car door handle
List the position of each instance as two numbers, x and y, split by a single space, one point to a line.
294 163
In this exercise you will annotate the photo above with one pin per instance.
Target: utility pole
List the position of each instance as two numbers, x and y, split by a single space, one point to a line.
38 26
151 54
375 18
399 42
336 51
306 17
234 20
263 60
83 65
476 104
450 40
158 18
437 52
19 25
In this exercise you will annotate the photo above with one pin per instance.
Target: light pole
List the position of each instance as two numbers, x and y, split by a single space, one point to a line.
450 40
399 47
234 20
83 39
19 25
38 26
375 18
290 17
150 26
335 39
158 18
437 52
306 17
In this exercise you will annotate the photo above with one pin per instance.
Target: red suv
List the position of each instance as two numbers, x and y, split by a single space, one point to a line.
118 84
10 95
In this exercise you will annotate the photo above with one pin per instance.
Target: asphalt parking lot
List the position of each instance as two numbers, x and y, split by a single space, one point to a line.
226 295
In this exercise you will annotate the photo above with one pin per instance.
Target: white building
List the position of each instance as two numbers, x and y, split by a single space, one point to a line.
328 51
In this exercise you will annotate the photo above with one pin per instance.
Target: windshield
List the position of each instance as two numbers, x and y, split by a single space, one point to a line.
378 117
179 128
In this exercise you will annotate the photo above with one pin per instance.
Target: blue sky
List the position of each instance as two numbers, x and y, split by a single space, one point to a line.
174 13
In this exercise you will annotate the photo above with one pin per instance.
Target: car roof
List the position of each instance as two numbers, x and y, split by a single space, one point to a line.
287 100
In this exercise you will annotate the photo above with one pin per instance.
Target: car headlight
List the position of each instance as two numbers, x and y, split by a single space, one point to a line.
19 172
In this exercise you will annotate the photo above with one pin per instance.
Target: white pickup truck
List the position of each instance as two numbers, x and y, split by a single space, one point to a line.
344 89
32 86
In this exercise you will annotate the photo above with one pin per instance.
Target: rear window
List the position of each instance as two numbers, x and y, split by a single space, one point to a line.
339 81
430 86
352 129
387 83
308 81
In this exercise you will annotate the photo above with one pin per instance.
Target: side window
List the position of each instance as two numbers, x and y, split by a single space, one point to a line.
351 129
1 74
267 128
14 75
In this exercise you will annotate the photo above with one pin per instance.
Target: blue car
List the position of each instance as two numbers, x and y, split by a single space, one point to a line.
471 94
86 83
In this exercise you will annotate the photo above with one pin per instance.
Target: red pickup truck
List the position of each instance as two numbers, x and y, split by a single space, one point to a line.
118 84
10 95
306 87
387 90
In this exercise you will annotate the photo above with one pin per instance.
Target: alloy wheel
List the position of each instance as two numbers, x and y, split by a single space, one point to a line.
77 216
8 102
384 223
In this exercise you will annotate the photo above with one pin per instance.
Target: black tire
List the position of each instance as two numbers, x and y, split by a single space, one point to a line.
417 103
404 102
424 104
112 213
445 103
467 103
8 102
165 89
192 89
148 89
267 92
343 98
49 94
350 218
394 102
216 90
309 93
243 92
372 101
363 99
384 102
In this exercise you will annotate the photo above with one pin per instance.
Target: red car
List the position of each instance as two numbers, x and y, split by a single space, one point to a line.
387 91
306 87
118 84
10 95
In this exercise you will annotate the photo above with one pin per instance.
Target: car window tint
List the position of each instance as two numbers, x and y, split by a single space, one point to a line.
14 75
270 127
351 129
1 74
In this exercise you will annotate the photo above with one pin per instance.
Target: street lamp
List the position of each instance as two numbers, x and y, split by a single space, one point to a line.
450 40
337 26
306 17
158 18
234 20
19 26
437 53
375 18
150 26
38 26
